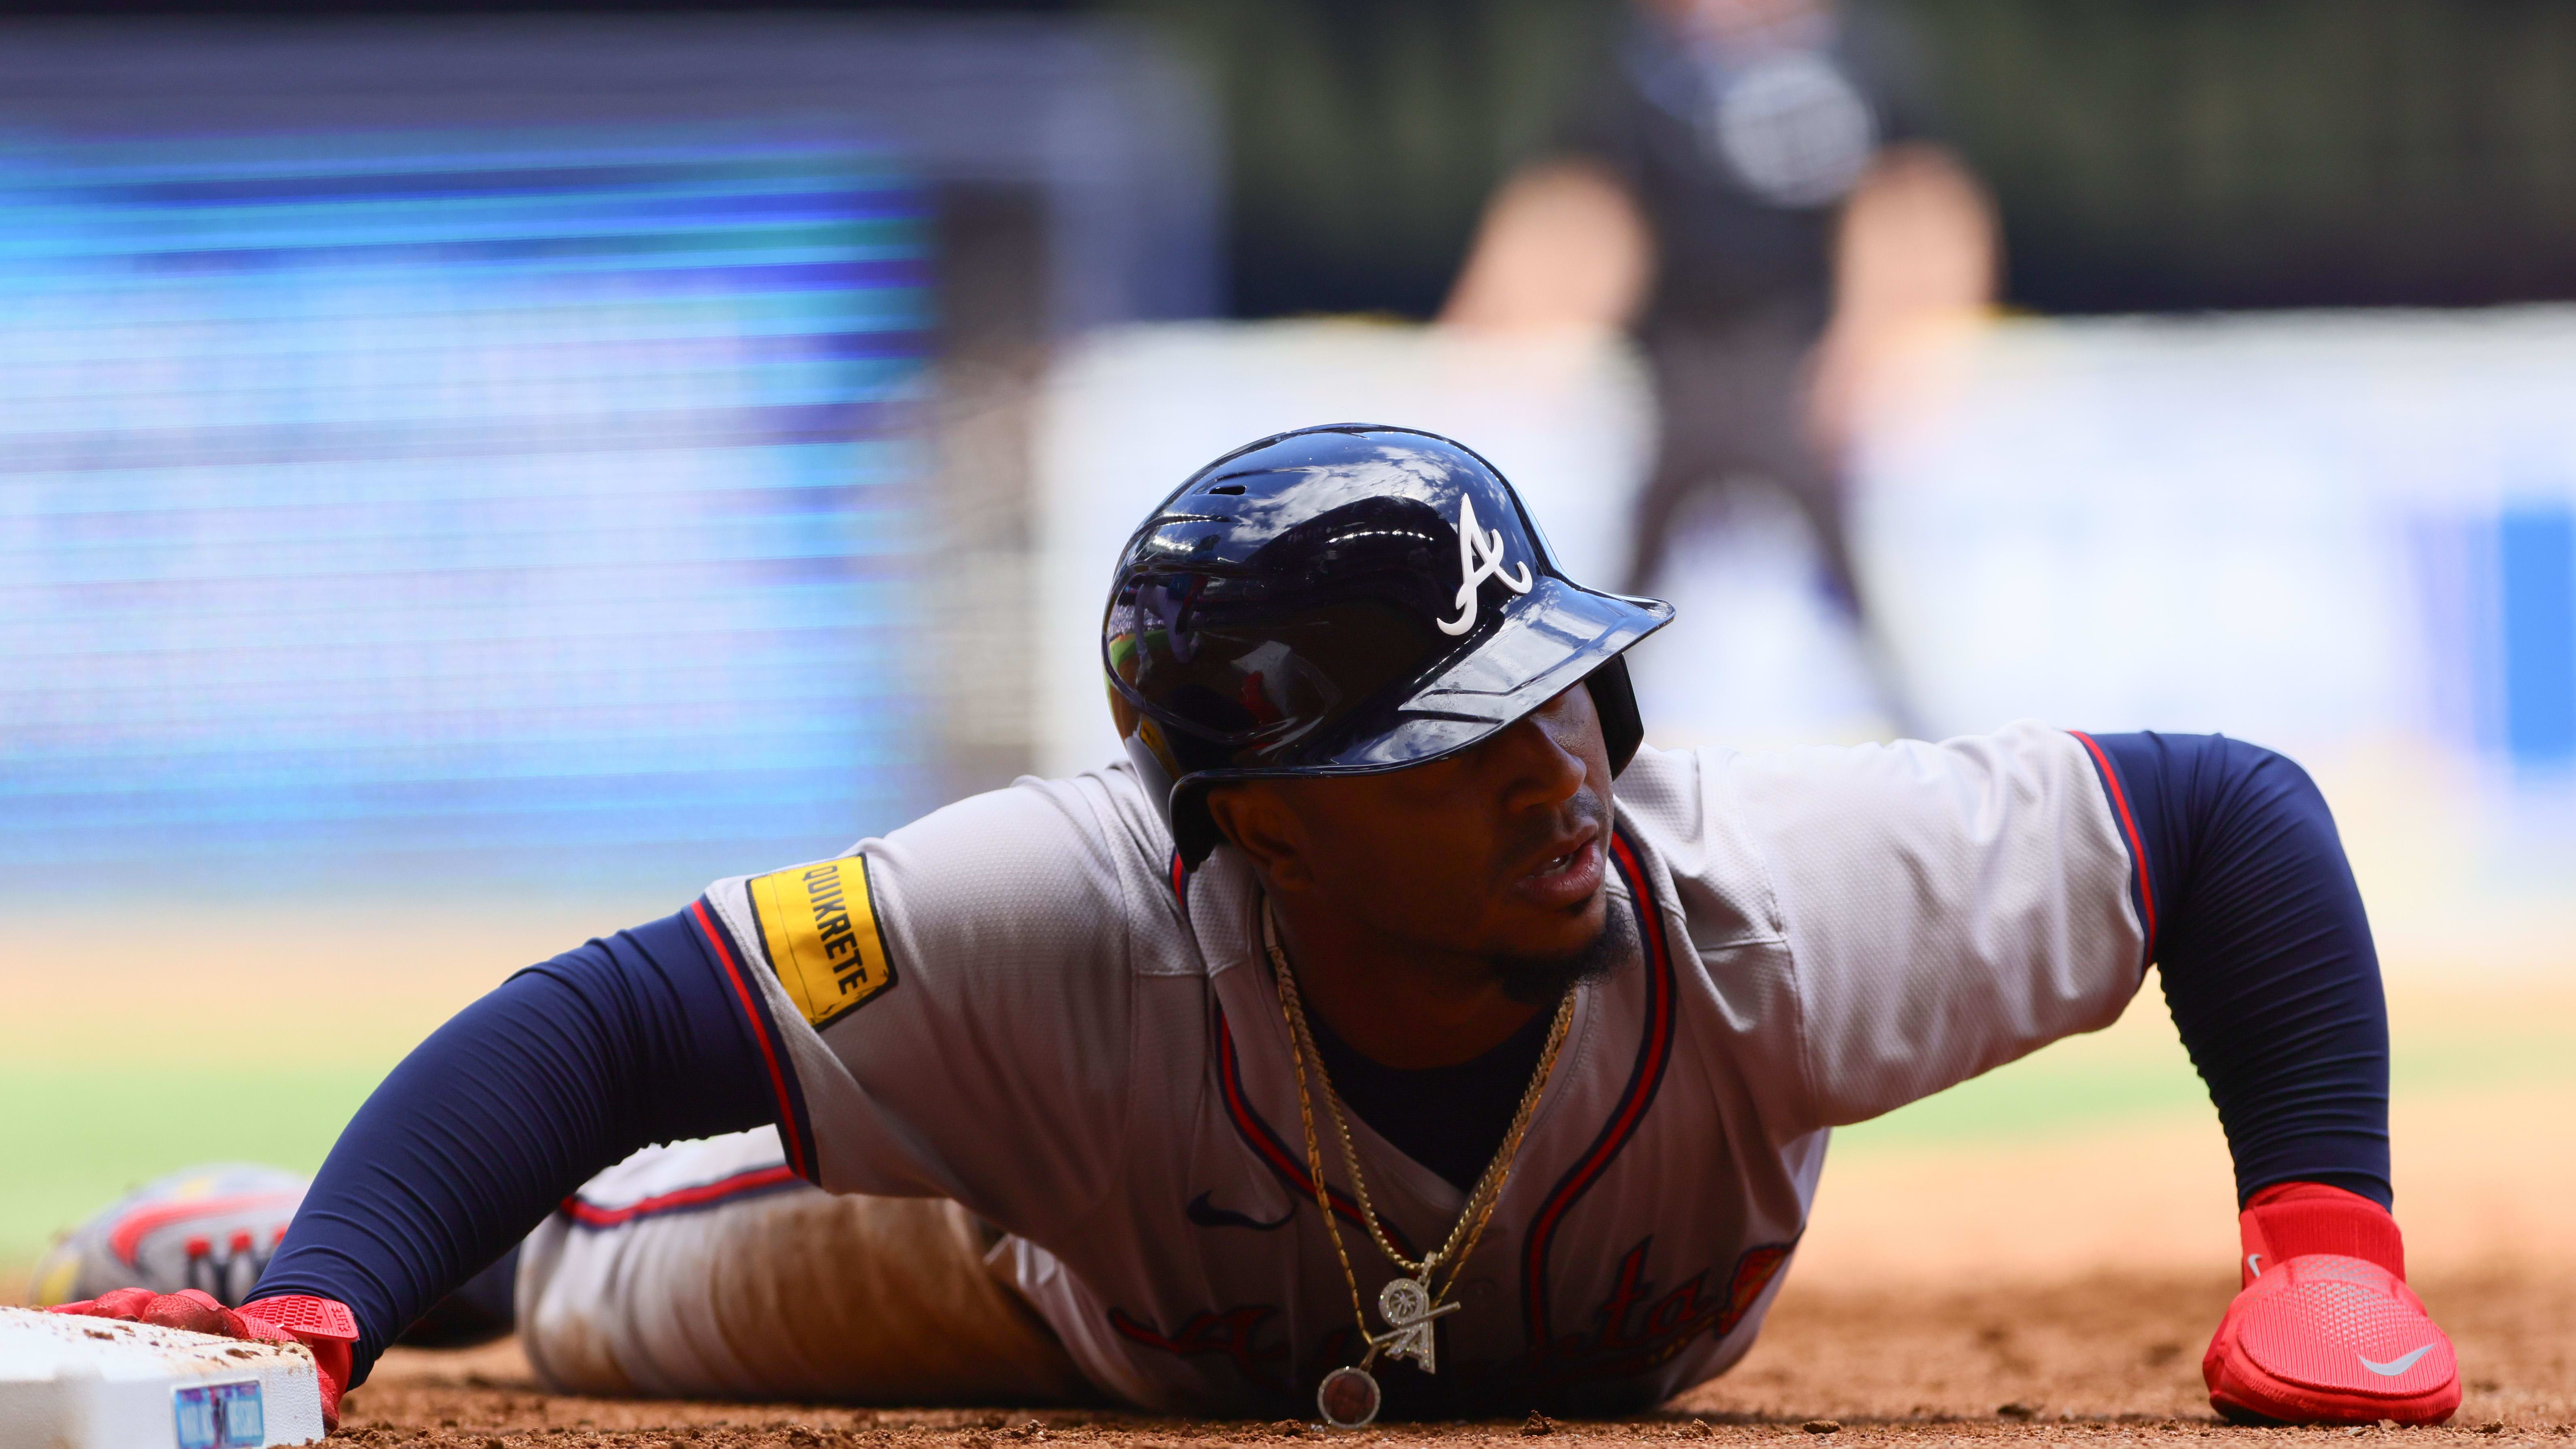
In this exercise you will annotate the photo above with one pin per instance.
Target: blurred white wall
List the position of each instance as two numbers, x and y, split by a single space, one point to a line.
2290 527
2348 536
2352 537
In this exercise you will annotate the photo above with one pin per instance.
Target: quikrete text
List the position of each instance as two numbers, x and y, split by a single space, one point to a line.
823 891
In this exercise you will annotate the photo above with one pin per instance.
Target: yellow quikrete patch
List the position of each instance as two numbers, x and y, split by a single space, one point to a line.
818 924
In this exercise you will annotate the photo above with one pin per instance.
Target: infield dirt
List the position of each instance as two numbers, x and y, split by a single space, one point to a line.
2089 1363
1955 1263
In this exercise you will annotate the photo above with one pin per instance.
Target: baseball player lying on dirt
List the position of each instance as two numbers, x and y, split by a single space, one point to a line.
1356 1043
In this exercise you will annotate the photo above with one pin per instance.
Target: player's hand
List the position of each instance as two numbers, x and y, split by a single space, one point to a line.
325 1328
188 1308
2325 1330
323 1325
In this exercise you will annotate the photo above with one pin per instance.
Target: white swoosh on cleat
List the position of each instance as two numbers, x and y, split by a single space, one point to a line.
2394 1366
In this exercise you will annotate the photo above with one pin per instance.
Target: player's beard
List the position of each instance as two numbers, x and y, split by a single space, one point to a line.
1540 980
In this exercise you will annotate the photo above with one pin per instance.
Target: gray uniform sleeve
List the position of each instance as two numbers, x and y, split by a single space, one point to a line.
956 997
1947 907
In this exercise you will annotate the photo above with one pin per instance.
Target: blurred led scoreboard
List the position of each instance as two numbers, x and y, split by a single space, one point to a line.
453 493
497 448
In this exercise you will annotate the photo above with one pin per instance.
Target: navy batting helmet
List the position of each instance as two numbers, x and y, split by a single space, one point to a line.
1343 600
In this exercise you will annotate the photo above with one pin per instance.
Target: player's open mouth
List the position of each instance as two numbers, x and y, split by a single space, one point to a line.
1567 879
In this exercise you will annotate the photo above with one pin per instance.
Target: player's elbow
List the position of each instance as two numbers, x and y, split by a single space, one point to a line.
2259 779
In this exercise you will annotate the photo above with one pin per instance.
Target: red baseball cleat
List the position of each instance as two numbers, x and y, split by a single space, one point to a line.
209 1228
2325 1329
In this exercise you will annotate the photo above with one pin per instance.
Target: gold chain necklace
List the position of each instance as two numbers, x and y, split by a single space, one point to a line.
1348 1397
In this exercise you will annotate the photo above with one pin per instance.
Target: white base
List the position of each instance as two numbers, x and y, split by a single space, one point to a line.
92 1383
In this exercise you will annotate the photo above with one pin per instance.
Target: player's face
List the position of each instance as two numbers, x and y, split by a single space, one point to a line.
1498 852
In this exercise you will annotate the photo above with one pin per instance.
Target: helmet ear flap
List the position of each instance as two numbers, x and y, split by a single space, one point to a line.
1614 698
1194 830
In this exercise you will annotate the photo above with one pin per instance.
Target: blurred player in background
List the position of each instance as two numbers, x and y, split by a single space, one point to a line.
1751 190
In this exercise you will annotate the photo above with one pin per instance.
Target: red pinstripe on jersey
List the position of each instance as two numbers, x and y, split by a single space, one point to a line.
748 1183
2129 828
1654 1053
792 1128
1272 1149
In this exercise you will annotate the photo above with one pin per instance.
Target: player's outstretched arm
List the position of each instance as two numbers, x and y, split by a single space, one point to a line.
565 1069
2254 921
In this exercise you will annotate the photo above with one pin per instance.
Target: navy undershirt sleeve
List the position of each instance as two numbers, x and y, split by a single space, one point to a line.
565 1069
2256 925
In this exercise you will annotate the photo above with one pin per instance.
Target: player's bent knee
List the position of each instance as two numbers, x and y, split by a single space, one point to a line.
787 1294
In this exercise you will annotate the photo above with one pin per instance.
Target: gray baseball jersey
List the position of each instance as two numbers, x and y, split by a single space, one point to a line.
1019 1003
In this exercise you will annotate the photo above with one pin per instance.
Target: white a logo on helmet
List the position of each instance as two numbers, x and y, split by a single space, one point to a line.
1480 557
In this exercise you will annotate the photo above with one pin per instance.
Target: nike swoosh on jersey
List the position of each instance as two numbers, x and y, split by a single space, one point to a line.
1208 1215
2394 1366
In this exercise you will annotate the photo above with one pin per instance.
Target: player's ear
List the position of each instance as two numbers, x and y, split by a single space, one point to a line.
1260 824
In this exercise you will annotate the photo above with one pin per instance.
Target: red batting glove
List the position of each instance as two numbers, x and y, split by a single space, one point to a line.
325 1328
323 1325
187 1308
2325 1330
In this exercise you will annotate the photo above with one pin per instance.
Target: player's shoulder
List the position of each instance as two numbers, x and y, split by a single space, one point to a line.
1034 833
1104 812
2022 760
2022 802
1678 816
1041 878
1725 819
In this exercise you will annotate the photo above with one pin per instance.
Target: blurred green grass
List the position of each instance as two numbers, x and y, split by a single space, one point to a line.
75 1137
2136 1073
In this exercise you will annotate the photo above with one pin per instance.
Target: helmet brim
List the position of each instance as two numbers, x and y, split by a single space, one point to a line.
1547 643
